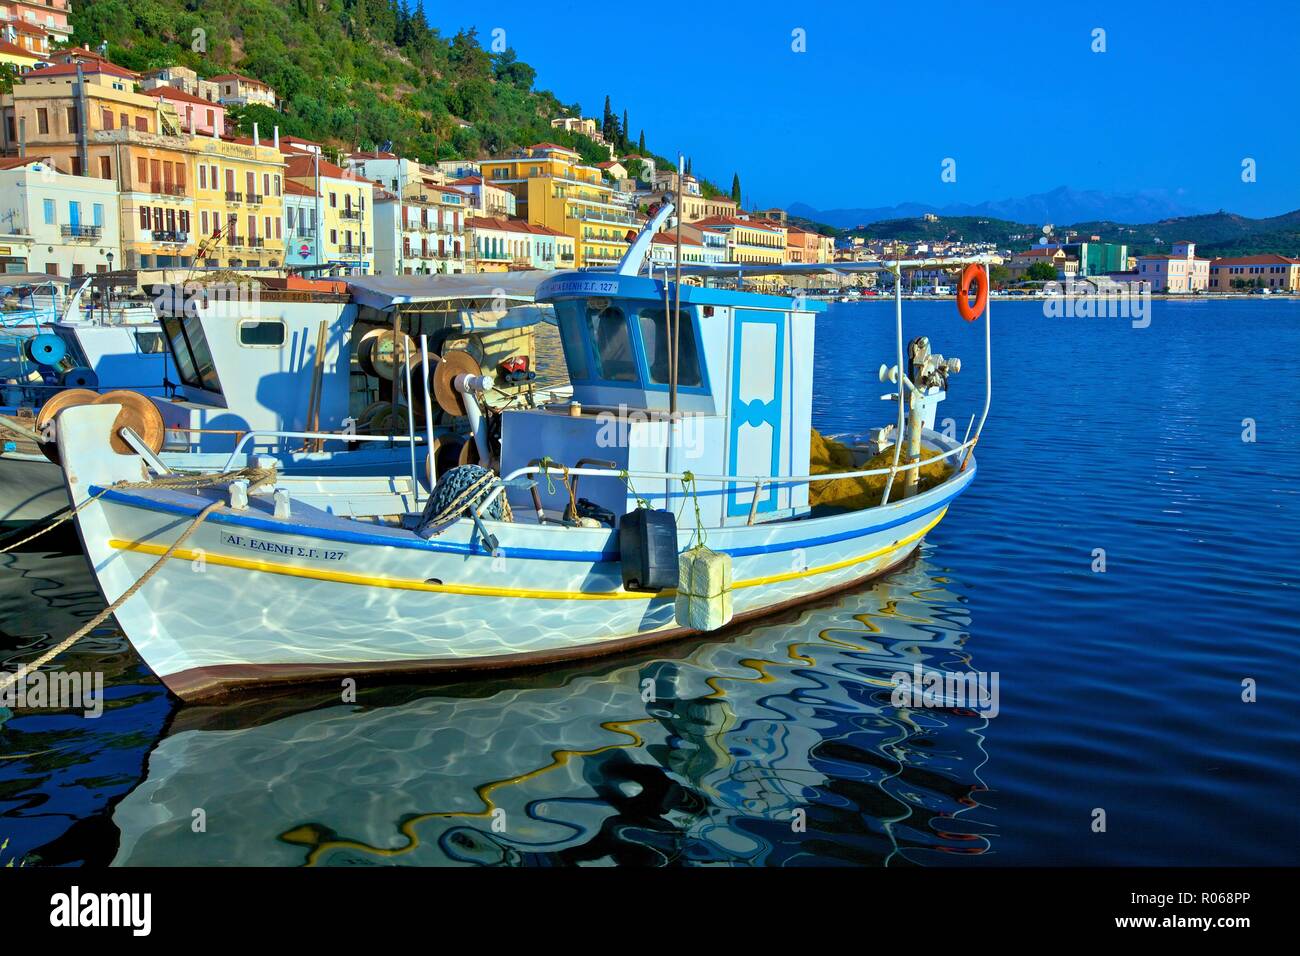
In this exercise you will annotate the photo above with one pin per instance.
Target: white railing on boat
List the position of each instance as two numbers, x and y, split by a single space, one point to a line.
334 436
758 481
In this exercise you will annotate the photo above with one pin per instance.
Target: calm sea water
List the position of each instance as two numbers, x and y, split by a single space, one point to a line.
1119 691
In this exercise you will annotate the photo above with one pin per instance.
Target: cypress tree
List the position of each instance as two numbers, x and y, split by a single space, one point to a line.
735 188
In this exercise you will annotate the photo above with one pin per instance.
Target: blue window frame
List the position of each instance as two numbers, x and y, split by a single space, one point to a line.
48 206
624 345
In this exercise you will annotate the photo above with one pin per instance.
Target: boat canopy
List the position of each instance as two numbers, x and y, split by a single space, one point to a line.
385 292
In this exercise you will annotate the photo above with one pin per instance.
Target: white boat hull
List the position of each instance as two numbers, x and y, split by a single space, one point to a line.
252 599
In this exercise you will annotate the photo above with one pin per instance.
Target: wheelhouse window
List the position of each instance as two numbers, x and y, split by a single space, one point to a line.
191 351
612 344
256 333
656 341
150 343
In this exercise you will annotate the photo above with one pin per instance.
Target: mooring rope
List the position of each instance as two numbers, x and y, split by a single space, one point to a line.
255 476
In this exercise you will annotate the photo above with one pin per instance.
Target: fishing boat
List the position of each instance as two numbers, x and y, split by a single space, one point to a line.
667 495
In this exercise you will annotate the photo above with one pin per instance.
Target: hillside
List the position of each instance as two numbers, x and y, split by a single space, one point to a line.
349 72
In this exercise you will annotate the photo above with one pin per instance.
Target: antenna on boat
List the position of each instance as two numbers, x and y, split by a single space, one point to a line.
675 339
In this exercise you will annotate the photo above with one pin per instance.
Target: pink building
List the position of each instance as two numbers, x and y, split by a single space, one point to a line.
49 16
197 115
1180 271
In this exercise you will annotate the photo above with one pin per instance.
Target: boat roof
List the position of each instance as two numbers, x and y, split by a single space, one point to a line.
31 278
385 292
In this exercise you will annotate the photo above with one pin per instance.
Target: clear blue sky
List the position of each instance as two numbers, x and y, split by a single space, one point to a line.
887 91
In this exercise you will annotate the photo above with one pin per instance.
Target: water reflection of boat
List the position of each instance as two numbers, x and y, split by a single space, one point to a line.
578 766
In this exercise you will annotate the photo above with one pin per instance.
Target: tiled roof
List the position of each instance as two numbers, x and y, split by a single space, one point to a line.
1264 259
305 164
13 49
241 78
179 95
512 225
70 69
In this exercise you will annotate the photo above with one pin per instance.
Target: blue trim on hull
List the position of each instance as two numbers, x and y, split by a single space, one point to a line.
448 547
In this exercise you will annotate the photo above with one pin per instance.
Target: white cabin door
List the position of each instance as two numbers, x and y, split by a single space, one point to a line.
757 374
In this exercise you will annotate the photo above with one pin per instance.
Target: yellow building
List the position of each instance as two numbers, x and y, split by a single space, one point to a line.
553 188
755 241
17 57
238 187
1246 273
345 205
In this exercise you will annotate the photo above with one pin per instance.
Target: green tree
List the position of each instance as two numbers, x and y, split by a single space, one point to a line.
640 146
735 188
1041 272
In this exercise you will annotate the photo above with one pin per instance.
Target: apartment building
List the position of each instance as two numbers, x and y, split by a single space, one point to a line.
421 235
54 222
554 188
49 17
238 189
239 90
503 245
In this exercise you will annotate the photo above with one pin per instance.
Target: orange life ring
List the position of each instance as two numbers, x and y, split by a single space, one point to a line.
973 272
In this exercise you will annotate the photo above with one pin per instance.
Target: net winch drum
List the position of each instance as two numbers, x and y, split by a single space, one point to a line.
647 544
45 349
79 377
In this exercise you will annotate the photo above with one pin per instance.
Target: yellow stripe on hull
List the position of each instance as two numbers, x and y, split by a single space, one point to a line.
407 584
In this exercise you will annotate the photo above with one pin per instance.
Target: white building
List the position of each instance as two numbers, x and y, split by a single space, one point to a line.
423 236
57 223
397 175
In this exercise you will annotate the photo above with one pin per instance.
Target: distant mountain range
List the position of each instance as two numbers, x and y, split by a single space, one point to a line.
1060 205
1215 234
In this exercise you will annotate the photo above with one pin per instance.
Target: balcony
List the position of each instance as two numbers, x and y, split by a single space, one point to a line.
610 217
170 236
305 233
348 249
233 196
255 198
254 242
82 232
354 214
167 189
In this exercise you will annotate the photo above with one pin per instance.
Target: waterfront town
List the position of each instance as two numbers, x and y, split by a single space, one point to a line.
103 169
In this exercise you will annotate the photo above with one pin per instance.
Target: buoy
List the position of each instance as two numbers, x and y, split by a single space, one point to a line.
973 273
45 349
703 589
